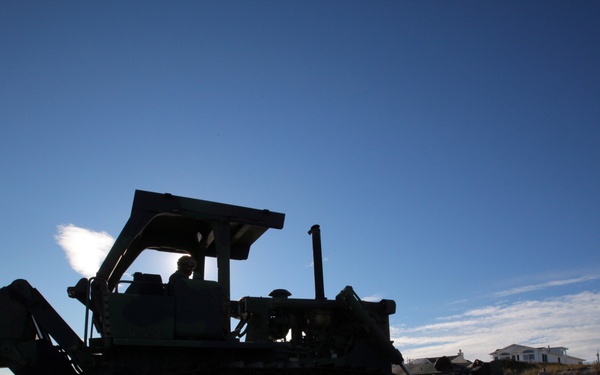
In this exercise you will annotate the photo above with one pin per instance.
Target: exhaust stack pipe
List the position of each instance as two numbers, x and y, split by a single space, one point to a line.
315 232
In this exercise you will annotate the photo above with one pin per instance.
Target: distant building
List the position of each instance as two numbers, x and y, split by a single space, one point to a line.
523 353
458 359
426 366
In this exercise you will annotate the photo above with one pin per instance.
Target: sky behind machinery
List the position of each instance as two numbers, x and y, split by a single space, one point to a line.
449 151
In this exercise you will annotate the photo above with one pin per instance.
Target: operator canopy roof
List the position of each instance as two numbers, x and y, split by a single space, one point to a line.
176 224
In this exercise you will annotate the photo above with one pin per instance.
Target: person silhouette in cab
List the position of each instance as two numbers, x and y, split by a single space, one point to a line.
185 267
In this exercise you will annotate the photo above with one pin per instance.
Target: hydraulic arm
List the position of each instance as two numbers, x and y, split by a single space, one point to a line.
28 327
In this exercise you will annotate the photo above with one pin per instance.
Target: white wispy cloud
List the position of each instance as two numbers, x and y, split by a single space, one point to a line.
572 321
549 284
85 249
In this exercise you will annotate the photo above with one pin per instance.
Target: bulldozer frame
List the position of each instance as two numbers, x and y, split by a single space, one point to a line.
143 329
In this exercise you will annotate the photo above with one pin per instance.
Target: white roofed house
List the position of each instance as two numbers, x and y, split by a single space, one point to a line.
522 353
445 365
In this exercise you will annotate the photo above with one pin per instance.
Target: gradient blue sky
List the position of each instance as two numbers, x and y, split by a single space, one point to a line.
450 151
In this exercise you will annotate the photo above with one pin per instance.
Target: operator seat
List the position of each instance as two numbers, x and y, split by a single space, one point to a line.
146 283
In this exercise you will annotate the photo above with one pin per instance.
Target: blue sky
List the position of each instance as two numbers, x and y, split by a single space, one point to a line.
449 151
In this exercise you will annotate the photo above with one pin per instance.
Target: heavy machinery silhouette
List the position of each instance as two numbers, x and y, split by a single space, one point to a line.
142 329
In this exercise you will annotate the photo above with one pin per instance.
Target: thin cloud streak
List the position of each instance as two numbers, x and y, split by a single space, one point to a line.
571 321
85 249
530 288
